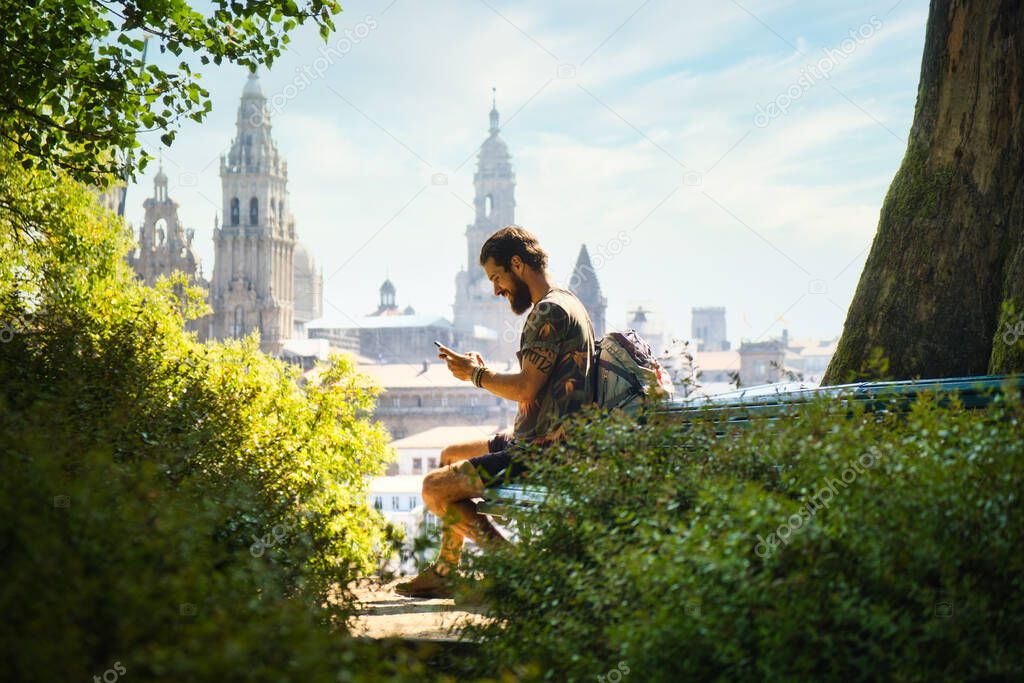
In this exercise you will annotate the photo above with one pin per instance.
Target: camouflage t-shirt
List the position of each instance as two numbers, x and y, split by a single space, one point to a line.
557 335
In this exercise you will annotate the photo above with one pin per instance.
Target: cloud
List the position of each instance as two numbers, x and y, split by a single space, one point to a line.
595 152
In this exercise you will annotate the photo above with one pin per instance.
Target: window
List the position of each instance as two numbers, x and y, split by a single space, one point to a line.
254 211
417 465
413 502
394 503
378 504
238 328
432 463
488 205
234 211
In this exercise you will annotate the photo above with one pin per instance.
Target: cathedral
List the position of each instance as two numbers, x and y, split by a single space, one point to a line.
481 320
263 278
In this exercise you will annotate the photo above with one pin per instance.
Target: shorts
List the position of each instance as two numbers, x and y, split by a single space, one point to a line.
498 465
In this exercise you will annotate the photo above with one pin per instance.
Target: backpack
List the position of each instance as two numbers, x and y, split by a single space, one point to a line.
626 373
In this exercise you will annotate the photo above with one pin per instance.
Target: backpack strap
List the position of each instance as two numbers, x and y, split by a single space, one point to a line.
628 376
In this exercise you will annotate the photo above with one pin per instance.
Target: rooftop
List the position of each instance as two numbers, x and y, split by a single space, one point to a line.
439 437
374 322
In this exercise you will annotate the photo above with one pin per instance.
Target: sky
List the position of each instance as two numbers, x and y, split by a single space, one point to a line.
711 153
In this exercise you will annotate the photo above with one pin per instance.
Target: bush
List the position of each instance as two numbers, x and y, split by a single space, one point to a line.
179 510
824 547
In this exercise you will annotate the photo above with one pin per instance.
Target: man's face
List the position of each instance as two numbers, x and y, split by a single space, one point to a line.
509 285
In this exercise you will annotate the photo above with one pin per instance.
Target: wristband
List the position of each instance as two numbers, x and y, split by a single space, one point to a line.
478 376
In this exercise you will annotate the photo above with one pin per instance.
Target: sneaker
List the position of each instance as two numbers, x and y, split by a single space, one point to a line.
427 584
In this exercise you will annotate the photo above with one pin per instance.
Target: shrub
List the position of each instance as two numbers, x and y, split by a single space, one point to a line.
184 511
824 547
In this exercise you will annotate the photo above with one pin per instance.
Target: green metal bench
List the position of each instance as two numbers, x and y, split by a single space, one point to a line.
736 409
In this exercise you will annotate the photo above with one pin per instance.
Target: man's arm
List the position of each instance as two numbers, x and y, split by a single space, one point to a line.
516 386
525 384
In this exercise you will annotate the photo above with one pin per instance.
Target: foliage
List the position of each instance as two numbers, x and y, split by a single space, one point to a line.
823 547
78 89
186 510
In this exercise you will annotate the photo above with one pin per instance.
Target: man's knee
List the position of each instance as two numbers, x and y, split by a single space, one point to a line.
457 452
449 454
433 490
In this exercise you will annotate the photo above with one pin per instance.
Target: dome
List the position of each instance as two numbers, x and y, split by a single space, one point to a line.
252 87
387 287
302 260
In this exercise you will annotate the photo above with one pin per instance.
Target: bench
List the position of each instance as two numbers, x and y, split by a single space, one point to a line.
736 409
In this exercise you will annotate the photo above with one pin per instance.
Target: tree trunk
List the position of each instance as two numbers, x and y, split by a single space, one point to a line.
942 291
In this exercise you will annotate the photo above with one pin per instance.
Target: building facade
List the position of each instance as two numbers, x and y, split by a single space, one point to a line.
707 328
308 290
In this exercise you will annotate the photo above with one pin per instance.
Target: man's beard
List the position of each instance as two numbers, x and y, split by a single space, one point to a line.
519 298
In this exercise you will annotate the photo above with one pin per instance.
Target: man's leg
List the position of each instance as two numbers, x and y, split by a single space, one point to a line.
447 493
457 452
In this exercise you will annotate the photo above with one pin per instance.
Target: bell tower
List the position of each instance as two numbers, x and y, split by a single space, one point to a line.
164 245
494 207
254 246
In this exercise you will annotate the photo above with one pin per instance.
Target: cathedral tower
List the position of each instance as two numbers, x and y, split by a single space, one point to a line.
252 285
483 320
164 246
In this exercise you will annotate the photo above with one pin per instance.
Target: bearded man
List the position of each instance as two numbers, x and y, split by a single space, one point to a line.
556 349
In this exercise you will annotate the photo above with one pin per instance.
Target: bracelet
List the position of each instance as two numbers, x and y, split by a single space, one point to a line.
478 376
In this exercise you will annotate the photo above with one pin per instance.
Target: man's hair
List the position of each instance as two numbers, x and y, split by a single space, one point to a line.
514 241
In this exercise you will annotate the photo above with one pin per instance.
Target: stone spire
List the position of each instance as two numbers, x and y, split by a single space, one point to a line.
585 286
253 149
494 112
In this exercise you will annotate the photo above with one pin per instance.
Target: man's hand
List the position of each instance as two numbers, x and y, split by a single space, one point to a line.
461 366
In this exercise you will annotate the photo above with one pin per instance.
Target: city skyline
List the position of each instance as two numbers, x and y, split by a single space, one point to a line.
675 214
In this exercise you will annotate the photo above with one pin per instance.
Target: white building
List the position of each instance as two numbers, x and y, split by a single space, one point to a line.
421 453
399 494
399 498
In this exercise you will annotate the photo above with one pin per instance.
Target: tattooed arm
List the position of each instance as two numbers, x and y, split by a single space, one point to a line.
525 384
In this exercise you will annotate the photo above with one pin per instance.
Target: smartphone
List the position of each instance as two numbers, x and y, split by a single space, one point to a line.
438 344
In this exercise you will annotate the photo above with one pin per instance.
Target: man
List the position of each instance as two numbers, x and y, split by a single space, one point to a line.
556 349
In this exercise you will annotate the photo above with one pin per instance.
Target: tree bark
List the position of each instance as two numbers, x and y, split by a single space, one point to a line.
942 290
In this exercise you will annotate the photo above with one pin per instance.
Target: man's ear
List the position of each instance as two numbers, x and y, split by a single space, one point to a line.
516 265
